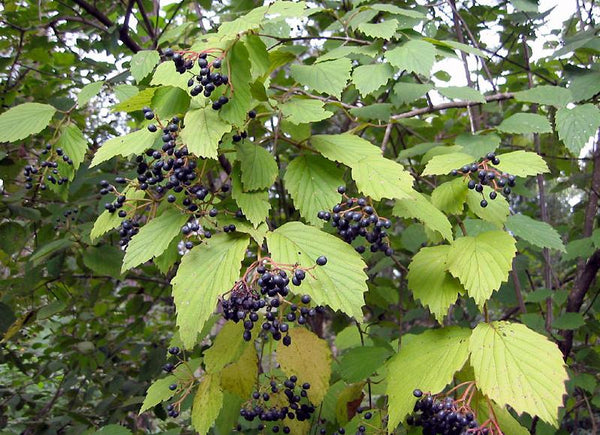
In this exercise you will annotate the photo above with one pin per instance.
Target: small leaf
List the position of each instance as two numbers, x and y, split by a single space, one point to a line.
369 78
216 264
73 143
385 29
427 361
24 120
308 358
361 362
258 55
377 111
325 77
158 392
577 126
166 75
340 283
522 163
521 123
482 263
153 238
258 166
463 93
569 321
429 280
477 145
409 92
203 131
344 148
304 110
535 232
137 101
107 221
312 182
548 95
418 207
142 63
450 196
585 85
132 143
88 92
380 178
515 366
445 163
255 205
207 403
413 56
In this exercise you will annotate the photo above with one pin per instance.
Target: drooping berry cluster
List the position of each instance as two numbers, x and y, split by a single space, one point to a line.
444 416
208 78
48 170
487 176
299 406
265 289
173 408
356 217
127 230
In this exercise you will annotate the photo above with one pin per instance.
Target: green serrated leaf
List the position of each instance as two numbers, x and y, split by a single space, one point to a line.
522 163
380 178
522 123
427 361
73 143
569 321
445 163
408 92
349 50
215 263
258 55
203 131
577 126
344 148
463 93
369 78
413 56
361 362
429 280
516 366
418 207
585 85
496 211
312 182
482 263
227 347
104 260
107 221
132 143
384 30
477 145
255 205
166 75
535 232
308 358
304 110
169 101
450 196
24 120
326 77
378 111
158 392
548 95
235 112
259 168
137 101
142 63
207 403
153 238
340 283
88 92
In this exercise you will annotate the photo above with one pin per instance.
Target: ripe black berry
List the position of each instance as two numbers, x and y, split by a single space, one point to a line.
322 260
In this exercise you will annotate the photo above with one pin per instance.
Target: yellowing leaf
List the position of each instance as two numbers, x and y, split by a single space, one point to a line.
429 280
207 271
207 403
226 348
340 283
518 367
240 377
482 263
308 358
427 361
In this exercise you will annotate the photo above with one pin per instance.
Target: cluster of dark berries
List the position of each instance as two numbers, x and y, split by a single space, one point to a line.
68 215
299 406
172 410
487 176
443 417
50 165
355 217
127 230
207 80
268 289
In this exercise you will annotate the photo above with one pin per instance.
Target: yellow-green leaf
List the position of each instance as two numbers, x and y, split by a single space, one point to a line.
380 178
24 120
203 131
418 206
207 403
